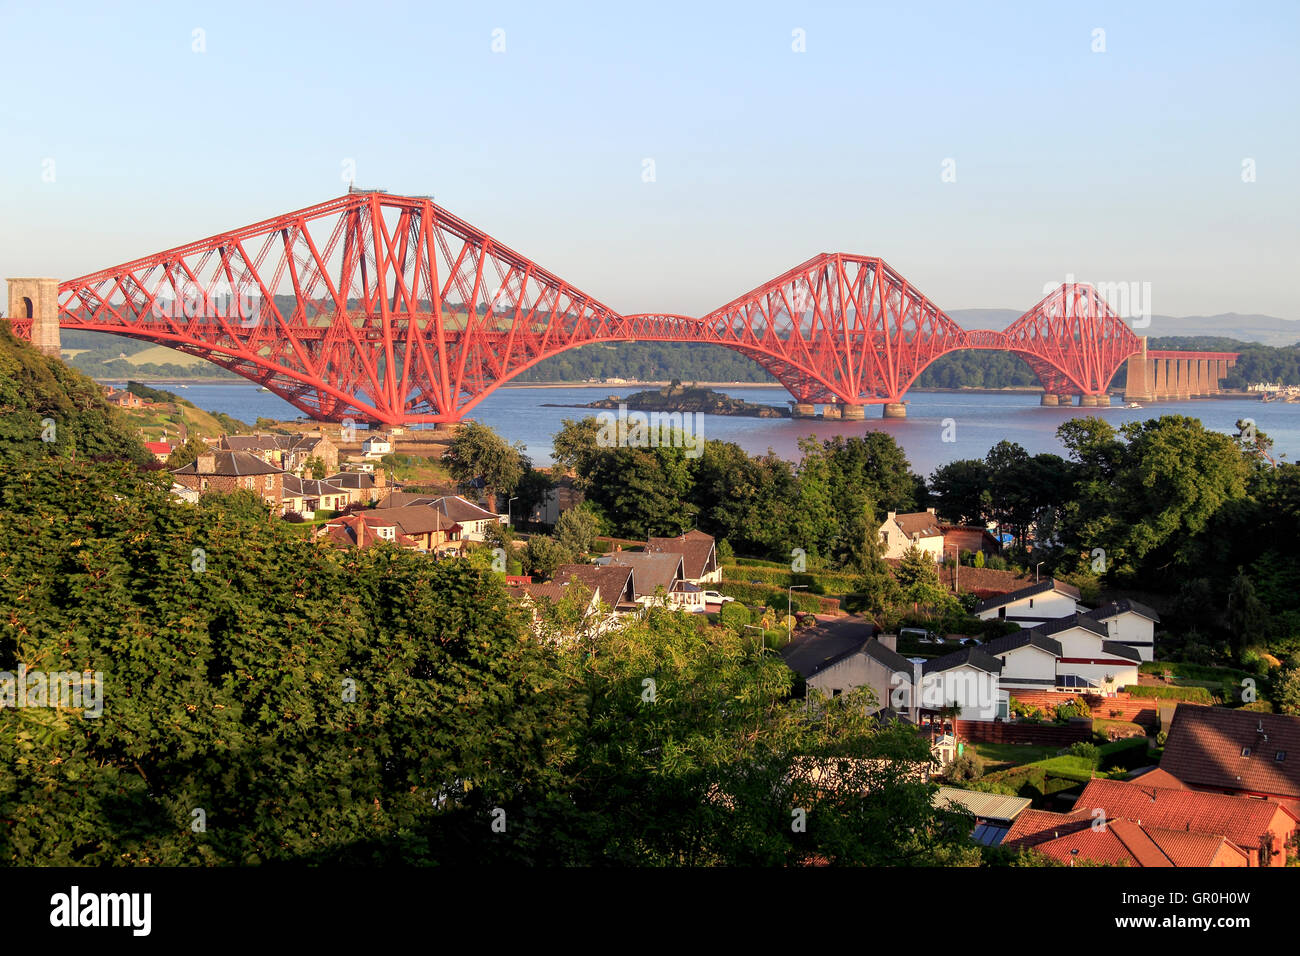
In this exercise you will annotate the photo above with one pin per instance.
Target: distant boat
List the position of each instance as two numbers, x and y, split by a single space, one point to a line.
263 389
1132 405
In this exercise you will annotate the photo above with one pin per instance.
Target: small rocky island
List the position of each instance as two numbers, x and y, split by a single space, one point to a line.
685 398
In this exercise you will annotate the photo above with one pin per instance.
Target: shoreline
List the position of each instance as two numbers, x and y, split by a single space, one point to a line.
1010 390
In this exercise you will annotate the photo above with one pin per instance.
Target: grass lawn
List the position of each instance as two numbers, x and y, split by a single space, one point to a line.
1069 767
1101 724
1003 756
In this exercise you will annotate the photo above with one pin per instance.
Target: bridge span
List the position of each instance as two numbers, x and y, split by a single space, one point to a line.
390 310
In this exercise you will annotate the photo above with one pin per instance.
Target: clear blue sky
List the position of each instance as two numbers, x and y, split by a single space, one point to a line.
1124 165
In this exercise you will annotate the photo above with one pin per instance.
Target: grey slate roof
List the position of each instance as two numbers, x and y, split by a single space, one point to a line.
973 656
1042 587
1048 628
1123 606
1121 650
230 464
1010 642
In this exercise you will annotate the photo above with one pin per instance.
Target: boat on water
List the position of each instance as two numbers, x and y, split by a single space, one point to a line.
1132 405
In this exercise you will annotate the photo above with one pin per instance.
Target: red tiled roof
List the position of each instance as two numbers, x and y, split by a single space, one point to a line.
1159 777
352 531
1243 820
158 447
1032 827
695 547
1205 746
1188 848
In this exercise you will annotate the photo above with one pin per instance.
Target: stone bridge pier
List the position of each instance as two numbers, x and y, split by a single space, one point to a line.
1162 376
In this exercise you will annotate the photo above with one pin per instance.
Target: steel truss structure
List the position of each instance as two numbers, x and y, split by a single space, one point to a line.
389 310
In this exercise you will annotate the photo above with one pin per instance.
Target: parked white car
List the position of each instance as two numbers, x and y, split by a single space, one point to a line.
713 597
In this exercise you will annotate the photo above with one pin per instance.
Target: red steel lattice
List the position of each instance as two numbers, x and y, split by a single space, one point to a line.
388 309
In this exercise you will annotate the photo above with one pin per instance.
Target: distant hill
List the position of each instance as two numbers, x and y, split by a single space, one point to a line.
1264 329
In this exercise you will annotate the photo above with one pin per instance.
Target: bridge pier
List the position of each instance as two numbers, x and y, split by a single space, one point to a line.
803 410
831 411
1049 399
1087 401
895 410
853 413
37 300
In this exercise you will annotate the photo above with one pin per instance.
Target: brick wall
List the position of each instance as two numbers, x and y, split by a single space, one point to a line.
1139 710
1001 732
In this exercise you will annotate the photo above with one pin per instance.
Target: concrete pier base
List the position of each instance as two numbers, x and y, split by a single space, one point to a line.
1050 399
1088 401
853 413
895 410
804 410
1103 400
831 411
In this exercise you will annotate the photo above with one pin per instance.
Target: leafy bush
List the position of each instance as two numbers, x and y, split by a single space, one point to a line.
965 768
734 616
1090 752
1066 712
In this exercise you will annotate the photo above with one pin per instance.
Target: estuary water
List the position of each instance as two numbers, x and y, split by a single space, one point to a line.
973 421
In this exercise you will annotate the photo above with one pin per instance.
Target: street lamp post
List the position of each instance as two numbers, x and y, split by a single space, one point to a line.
789 608
509 513
1036 567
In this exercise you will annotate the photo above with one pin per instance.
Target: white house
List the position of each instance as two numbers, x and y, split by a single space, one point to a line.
920 528
658 579
1028 660
968 678
376 447
839 659
699 555
1087 653
1131 624
1046 601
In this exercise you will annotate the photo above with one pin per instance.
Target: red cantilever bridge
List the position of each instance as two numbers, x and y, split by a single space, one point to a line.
388 309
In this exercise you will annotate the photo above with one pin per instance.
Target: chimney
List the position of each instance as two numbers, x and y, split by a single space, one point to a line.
206 464
890 515
930 510
890 641
381 478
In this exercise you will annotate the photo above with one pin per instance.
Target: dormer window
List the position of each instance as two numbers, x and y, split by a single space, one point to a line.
1245 751
1280 756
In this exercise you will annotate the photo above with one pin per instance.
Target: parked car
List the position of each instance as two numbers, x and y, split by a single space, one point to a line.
921 634
970 642
713 597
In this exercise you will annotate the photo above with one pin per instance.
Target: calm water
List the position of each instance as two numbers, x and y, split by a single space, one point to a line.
519 414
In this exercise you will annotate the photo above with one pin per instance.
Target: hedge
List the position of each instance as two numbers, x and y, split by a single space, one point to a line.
1197 694
775 598
1114 754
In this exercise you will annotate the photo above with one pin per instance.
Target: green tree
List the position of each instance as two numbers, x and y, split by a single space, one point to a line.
917 576
1247 620
477 453
542 555
1286 692
182 455
577 528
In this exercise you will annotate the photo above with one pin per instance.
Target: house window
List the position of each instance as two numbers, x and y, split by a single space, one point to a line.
1245 751
269 482
836 692
1002 613
1281 755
